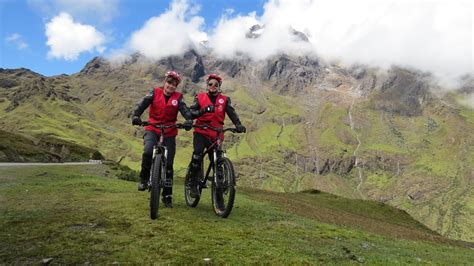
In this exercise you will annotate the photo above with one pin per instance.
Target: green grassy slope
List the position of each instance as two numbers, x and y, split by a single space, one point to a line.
421 164
74 215
44 148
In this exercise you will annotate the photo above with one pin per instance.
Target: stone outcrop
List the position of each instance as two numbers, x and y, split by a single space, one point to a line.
404 92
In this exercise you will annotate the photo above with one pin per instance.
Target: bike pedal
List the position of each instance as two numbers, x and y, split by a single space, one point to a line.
167 183
204 185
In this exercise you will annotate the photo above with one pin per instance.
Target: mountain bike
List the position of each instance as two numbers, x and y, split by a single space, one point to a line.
158 178
222 178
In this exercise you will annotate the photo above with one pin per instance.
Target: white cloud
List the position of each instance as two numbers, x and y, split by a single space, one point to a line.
67 39
118 57
434 36
86 10
467 100
17 40
229 38
172 33
470 100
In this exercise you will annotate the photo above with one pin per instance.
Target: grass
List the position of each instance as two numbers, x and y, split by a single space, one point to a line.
379 180
468 114
330 127
74 215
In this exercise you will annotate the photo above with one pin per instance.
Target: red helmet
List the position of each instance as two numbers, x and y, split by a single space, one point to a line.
175 75
214 76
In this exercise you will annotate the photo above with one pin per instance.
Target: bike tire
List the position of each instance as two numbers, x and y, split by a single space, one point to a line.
190 201
156 174
223 194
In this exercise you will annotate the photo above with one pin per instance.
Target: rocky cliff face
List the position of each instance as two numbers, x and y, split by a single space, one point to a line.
404 93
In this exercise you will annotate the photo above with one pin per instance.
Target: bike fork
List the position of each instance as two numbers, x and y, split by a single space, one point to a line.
215 170
151 168
167 182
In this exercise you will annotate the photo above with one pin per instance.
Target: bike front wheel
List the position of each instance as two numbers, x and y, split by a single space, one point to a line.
223 189
156 175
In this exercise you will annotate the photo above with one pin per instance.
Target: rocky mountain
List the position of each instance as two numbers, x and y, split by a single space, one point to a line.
354 131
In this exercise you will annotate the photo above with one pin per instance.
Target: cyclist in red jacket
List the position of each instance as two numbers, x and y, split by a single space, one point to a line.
164 103
210 109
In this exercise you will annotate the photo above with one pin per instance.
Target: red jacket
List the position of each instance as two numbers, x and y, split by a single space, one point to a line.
164 113
215 119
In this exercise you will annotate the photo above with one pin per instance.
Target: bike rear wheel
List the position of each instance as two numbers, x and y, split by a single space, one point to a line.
190 201
156 175
223 192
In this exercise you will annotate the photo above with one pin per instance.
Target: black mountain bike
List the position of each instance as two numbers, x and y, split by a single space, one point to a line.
222 178
158 178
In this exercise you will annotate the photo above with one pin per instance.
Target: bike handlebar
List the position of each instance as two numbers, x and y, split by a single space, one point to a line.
231 129
160 126
181 126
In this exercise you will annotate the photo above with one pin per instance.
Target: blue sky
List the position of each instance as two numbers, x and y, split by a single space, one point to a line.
60 36
24 41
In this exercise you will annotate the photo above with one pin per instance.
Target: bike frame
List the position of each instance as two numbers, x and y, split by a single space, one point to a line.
160 150
218 152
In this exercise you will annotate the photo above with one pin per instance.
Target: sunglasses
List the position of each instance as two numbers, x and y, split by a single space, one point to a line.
212 84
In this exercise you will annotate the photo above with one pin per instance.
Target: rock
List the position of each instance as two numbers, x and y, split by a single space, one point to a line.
291 75
46 261
299 35
8 83
255 31
404 92
365 245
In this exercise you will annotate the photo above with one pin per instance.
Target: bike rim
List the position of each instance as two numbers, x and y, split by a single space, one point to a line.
224 192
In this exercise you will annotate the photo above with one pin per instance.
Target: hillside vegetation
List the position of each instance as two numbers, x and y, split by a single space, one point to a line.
356 132
77 214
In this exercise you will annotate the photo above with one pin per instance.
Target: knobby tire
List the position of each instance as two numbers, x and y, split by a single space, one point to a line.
156 173
190 201
223 194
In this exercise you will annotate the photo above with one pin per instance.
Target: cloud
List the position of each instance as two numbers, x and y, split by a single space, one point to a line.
469 100
229 38
67 39
17 40
85 10
118 57
172 33
433 36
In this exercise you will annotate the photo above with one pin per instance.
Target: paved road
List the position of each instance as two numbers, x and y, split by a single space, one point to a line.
36 164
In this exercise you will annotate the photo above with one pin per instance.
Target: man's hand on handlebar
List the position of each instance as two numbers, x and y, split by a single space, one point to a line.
188 125
136 121
240 128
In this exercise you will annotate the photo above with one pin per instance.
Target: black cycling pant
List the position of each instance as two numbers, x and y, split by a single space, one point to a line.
200 142
150 139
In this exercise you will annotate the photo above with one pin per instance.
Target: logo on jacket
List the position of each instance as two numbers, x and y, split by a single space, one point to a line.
174 102
221 101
